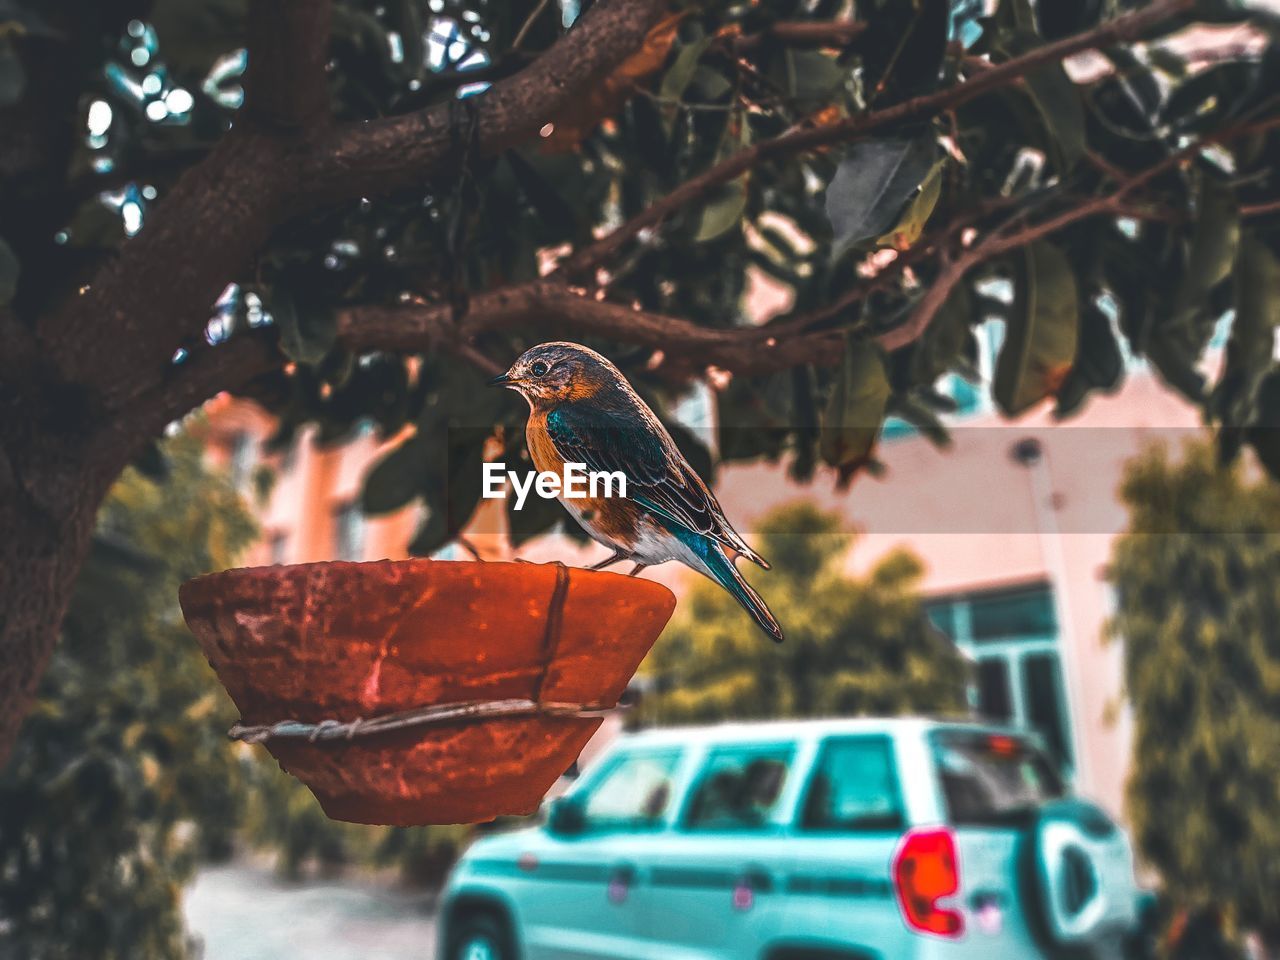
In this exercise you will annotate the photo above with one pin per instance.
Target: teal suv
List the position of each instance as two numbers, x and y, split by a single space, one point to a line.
902 839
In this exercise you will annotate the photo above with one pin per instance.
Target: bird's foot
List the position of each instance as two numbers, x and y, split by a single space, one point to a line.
616 557
636 569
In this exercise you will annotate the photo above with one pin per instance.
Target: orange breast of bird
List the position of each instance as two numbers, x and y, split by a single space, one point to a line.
544 453
614 517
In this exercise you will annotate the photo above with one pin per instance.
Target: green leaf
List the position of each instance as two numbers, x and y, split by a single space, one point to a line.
918 414
1207 98
754 417
1099 363
152 463
1264 433
1180 333
1251 345
944 341
307 331
1042 332
538 516
1064 18
545 199
1253 332
1140 82
431 535
680 74
855 408
908 229
1055 97
692 449
451 492
10 268
1176 364
872 185
193 35
95 225
710 84
1015 16
1058 102
650 128
723 211
396 479
903 47
1214 241
812 75
13 77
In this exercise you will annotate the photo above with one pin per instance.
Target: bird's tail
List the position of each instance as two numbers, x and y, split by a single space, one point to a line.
721 569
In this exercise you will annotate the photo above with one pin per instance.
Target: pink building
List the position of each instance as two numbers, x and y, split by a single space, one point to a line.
1014 523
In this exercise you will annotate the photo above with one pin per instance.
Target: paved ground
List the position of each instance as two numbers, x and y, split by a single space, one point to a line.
243 912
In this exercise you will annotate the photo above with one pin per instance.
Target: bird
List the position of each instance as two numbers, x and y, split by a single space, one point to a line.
583 410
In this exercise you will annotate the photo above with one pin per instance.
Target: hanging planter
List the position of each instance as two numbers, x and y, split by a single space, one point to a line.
424 691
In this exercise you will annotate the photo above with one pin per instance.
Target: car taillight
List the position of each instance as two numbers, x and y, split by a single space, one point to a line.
925 870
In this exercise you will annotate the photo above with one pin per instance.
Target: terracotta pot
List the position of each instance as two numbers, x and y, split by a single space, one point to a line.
346 641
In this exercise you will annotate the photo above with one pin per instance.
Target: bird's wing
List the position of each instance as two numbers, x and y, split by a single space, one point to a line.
634 442
657 478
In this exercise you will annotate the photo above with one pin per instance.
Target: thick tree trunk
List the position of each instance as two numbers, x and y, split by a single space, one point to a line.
47 512
82 389
37 571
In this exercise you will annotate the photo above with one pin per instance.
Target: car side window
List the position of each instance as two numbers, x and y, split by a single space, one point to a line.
634 793
738 787
854 788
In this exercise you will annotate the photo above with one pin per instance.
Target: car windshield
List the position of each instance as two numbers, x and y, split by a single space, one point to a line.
633 792
992 778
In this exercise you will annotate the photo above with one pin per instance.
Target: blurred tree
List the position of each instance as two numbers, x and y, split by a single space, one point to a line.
122 780
1197 611
340 183
282 816
122 777
854 645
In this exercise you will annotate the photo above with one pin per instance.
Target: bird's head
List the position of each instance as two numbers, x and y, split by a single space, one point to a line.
552 373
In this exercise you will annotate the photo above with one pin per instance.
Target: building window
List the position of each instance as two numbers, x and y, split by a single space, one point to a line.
1013 637
244 453
348 532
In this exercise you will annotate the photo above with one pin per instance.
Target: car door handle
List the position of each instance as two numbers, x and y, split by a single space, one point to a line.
622 878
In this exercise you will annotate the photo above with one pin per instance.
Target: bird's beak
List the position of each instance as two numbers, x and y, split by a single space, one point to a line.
504 380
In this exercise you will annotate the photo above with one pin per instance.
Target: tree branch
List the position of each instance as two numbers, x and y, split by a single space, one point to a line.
117 338
555 307
382 155
225 366
1260 209
285 85
1002 241
805 138
803 33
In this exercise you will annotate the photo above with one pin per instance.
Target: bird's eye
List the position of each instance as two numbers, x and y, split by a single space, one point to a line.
539 369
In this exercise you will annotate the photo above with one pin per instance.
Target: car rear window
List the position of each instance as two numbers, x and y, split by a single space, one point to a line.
990 778
854 788
738 787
